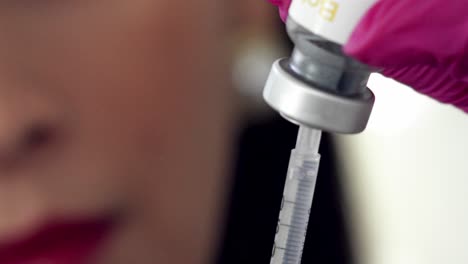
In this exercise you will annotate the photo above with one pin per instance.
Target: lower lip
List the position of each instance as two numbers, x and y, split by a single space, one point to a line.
63 243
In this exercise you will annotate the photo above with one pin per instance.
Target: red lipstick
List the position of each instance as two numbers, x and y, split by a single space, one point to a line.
58 243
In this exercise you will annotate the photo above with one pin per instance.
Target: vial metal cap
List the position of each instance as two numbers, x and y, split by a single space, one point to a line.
311 106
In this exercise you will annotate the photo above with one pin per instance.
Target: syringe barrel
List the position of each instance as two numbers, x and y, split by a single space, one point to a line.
295 207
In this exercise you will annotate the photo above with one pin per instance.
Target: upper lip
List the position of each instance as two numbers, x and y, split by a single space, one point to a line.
53 235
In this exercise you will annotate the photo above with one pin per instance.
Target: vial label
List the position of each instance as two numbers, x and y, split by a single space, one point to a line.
330 19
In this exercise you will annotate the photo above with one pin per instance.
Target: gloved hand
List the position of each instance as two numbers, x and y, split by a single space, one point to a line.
421 43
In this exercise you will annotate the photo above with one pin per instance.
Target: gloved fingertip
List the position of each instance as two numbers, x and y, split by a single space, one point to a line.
283 6
283 14
354 46
363 34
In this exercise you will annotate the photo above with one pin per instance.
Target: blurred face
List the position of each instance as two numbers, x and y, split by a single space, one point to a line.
114 121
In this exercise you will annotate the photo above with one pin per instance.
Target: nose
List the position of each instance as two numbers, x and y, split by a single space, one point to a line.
28 123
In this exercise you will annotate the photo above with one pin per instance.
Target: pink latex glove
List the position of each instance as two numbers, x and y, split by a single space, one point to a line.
421 43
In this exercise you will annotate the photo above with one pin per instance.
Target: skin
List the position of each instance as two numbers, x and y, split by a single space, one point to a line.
116 108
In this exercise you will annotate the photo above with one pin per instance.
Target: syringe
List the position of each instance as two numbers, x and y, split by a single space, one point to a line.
297 198
319 87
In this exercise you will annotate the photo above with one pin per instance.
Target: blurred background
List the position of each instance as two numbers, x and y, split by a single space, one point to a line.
393 194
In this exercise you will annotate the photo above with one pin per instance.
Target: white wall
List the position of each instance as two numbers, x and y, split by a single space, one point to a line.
406 180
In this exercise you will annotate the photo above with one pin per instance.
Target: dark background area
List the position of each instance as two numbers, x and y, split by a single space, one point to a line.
263 155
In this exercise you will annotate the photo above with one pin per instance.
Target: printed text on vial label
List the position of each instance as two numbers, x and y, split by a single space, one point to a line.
327 9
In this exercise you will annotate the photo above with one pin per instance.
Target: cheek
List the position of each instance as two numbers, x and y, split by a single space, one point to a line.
148 110
147 117
116 94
